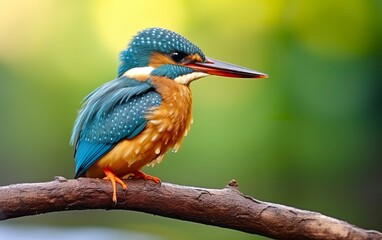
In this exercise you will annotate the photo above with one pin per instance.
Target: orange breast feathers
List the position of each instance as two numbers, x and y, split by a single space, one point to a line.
165 129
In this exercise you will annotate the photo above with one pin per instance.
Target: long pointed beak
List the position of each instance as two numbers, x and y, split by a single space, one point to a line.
215 67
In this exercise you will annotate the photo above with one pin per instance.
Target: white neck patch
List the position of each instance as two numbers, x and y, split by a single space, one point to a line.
138 72
144 73
187 78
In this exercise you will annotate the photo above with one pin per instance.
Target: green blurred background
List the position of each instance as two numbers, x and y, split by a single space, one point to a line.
309 136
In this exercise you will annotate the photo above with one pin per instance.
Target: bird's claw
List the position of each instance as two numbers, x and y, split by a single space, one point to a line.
144 176
114 180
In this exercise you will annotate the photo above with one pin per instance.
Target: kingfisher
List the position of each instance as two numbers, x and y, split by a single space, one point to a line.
133 120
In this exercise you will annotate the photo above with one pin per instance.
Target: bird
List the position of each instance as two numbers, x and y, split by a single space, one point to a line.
133 120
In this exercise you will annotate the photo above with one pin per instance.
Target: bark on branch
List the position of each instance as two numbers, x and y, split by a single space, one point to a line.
225 207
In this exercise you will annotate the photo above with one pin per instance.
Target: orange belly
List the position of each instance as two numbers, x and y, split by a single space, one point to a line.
166 127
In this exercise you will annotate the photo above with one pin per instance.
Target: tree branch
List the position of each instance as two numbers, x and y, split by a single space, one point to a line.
225 207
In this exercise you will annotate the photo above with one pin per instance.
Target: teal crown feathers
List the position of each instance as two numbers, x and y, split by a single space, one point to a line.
137 53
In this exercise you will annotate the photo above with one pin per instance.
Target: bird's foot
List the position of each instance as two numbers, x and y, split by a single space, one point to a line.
142 175
114 180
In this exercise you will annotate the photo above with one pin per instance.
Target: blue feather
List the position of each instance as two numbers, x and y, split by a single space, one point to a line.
112 112
171 71
87 153
154 40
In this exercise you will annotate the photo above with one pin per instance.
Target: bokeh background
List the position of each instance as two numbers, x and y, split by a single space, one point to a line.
309 136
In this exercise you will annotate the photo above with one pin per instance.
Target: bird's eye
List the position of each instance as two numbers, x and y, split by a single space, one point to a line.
178 57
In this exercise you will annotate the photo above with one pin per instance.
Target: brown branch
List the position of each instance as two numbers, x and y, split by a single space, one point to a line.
225 207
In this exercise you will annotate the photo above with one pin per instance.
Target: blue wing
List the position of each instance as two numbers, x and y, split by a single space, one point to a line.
111 113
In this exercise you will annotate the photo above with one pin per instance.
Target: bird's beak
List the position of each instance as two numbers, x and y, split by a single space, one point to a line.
215 67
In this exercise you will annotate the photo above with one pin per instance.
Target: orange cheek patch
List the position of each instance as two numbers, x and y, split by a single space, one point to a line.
195 58
157 59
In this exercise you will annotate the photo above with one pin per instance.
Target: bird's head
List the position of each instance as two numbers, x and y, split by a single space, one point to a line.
161 52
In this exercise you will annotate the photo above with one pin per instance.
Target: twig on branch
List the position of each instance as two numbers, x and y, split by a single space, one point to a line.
225 207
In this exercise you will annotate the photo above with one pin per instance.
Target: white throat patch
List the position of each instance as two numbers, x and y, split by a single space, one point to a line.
187 78
138 72
142 73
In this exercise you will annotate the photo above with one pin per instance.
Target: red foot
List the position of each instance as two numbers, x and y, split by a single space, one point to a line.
114 180
142 175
